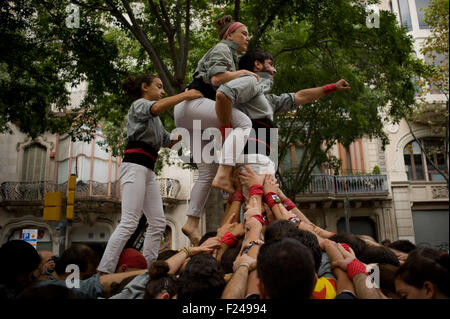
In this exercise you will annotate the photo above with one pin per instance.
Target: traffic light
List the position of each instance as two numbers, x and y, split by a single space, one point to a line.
70 196
52 206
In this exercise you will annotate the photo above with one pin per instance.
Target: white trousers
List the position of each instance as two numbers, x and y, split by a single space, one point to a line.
140 193
203 109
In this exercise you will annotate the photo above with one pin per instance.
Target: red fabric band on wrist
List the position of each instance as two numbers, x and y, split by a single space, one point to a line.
261 219
269 200
230 198
345 246
229 239
238 196
257 190
288 204
329 88
354 268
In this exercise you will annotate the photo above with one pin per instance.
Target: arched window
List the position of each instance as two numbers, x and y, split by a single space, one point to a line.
415 159
33 167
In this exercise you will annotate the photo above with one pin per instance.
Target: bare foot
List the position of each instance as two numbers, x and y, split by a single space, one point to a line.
192 233
224 179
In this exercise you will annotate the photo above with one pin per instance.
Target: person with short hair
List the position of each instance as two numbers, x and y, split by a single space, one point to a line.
19 267
286 270
202 279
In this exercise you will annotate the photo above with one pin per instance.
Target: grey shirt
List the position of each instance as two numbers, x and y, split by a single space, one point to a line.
220 58
135 288
90 288
144 126
325 267
258 108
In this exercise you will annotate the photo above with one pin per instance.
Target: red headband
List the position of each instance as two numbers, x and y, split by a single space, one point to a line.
232 28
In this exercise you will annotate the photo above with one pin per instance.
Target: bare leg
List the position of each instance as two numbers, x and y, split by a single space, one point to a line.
224 108
224 178
191 229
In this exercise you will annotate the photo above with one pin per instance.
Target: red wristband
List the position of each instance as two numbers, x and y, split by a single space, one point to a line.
354 268
288 204
230 198
329 88
269 200
257 190
229 239
238 196
261 219
345 246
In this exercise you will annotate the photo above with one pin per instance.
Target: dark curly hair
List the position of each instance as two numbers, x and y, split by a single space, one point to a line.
201 279
160 281
426 264
132 85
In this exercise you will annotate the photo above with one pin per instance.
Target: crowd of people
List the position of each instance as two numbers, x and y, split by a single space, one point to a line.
271 251
274 252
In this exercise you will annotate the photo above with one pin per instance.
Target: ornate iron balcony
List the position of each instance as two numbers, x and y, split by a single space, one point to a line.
169 187
354 184
32 191
35 191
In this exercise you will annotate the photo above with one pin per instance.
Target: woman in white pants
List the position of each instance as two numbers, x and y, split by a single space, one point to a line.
186 114
140 189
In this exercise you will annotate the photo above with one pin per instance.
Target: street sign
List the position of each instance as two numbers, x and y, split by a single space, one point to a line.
30 236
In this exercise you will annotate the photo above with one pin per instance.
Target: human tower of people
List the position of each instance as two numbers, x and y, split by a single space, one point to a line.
272 251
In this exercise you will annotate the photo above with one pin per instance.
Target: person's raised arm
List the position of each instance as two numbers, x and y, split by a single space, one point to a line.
255 184
253 241
237 286
106 280
228 234
356 271
235 201
343 282
170 101
290 206
310 95
177 260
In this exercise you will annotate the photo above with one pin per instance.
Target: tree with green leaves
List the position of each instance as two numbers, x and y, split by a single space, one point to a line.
314 43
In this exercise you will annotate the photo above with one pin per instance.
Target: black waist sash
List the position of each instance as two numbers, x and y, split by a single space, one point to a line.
259 140
140 153
207 89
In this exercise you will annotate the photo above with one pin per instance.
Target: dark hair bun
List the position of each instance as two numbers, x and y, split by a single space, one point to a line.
132 85
159 269
222 24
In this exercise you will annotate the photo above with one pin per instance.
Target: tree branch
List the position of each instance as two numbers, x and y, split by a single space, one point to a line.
237 8
135 29
163 23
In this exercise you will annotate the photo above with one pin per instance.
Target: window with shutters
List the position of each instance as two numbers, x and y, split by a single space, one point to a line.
34 160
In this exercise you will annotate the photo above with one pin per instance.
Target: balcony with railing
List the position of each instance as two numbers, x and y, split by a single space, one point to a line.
35 191
348 185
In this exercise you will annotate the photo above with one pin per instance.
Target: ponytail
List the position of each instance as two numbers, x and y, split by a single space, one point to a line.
132 85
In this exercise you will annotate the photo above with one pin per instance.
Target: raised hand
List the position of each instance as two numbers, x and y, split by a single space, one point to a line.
342 85
250 178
